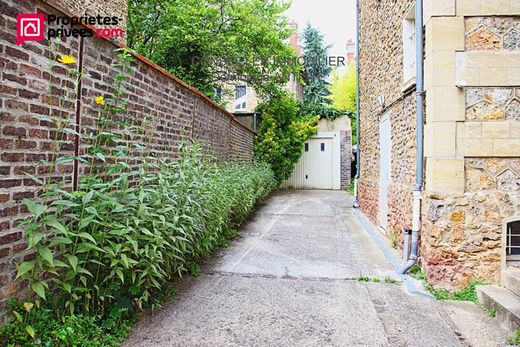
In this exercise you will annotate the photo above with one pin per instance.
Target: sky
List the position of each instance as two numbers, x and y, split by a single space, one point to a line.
336 19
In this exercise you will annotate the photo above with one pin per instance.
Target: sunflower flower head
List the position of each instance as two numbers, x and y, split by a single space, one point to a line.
100 100
66 59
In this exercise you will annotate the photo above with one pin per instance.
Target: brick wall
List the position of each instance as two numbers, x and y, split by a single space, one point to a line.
169 111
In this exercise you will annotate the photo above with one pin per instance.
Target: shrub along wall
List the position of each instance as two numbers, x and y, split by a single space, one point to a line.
163 107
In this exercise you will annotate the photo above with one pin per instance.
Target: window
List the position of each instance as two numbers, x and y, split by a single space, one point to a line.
244 105
240 91
409 58
513 240
306 147
323 147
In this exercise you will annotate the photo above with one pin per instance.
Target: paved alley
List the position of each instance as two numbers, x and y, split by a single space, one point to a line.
289 281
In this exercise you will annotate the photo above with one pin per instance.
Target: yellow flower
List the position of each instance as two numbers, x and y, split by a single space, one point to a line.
100 100
66 59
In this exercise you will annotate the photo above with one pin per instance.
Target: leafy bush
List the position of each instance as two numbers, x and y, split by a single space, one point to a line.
34 326
281 135
135 221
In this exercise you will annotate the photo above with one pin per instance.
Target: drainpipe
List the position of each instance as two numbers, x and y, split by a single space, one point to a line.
419 92
358 150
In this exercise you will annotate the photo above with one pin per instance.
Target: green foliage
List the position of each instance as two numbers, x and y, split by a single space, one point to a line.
320 109
281 135
343 89
317 70
135 222
417 273
350 188
467 294
343 96
515 340
208 42
35 326
390 280
394 235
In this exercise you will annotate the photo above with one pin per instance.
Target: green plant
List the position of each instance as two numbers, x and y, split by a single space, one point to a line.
467 294
363 278
281 135
390 280
394 238
194 268
417 273
350 188
515 340
111 247
286 271
492 312
34 326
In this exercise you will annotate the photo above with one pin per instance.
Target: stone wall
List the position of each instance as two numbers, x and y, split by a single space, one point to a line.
472 130
473 141
462 232
169 110
381 75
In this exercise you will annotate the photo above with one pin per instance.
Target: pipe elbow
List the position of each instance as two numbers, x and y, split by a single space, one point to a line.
404 269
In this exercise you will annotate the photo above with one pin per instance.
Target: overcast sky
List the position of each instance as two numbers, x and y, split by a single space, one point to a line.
336 19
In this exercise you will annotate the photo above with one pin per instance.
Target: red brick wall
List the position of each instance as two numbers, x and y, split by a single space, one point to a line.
173 112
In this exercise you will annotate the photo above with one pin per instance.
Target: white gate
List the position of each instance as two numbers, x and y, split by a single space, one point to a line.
319 165
385 155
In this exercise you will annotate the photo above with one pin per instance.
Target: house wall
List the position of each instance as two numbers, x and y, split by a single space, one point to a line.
472 137
168 110
381 75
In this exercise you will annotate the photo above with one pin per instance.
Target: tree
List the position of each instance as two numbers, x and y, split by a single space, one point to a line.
343 95
281 134
210 42
343 89
317 70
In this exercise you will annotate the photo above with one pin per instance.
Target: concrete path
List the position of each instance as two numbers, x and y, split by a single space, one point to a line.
288 281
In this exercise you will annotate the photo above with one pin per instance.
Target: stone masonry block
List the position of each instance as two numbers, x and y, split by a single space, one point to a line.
445 104
495 130
445 33
515 130
439 69
440 139
445 175
475 147
469 130
435 8
479 68
506 148
488 7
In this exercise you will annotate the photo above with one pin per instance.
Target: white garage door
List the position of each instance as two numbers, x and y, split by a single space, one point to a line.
319 165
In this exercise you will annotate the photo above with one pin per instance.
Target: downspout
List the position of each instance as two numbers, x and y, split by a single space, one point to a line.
419 93
358 147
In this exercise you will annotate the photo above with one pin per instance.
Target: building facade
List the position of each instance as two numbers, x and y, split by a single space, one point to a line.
471 131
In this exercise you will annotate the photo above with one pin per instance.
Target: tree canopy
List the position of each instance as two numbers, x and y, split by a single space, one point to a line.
317 70
210 42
